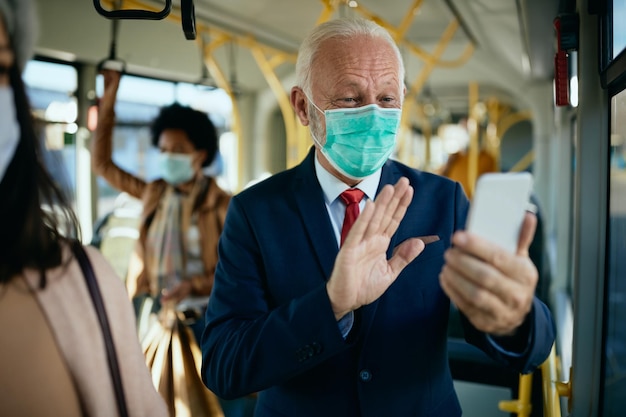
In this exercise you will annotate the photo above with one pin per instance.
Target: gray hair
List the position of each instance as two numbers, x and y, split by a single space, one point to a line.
338 28
20 20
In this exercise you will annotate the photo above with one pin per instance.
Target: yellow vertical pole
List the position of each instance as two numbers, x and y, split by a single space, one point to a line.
222 82
284 104
421 78
408 19
428 134
473 127
522 406
504 123
329 8
494 110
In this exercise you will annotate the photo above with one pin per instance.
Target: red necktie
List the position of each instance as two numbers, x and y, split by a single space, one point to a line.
352 198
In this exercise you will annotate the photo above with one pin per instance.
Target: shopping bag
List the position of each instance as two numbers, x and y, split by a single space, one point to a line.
174 359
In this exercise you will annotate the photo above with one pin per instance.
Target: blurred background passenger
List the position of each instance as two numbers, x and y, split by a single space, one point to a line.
54 360
183 212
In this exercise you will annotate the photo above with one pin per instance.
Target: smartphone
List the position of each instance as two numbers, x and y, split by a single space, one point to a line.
498 206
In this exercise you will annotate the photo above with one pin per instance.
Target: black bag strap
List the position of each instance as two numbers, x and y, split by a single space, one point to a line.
96 297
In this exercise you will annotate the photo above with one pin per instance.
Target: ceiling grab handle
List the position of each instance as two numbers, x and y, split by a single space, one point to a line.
112 62
188 17
133 13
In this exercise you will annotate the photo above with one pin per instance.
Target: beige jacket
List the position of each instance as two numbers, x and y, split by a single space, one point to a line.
70 312
211 216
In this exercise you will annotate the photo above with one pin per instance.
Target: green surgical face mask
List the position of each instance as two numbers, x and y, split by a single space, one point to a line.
175 167
359 140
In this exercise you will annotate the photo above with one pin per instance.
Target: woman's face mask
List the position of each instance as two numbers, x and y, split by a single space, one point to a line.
359 140
176 168
9 129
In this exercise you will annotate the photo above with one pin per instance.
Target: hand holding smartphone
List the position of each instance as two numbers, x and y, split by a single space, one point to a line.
498 207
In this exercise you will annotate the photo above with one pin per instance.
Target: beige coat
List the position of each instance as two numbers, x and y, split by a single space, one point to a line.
69 313
211 217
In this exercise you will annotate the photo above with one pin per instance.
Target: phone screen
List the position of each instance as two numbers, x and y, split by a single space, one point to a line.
497 209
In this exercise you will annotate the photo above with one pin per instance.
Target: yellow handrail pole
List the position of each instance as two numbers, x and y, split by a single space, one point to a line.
280 58
503 124
492 140
549 378
222 82
564 389
462 59
425 56
552 389
408 20
521 406
395 31
329 8
428 134
374 17
289 117
404 143
430 65
421 78
510 119
473 128
426 126
524 163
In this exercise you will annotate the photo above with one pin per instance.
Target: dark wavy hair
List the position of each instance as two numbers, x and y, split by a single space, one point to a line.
35 216
196 124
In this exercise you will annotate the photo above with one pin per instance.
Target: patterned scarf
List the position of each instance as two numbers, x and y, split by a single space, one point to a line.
165 254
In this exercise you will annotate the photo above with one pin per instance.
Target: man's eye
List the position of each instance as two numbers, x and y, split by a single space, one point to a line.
348 102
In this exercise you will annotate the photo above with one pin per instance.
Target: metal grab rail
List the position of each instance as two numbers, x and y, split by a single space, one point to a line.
551 387
522 406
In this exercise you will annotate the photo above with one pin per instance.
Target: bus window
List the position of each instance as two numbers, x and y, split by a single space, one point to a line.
51 88
138 102
619 30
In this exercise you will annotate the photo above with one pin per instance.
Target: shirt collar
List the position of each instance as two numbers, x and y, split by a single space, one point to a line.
332 186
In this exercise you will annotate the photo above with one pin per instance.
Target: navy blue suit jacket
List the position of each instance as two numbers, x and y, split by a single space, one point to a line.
270 327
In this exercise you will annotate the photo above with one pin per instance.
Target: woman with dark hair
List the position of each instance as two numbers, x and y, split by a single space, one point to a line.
195 124
183 212
52 347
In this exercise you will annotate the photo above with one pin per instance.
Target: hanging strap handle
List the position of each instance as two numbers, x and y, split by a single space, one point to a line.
134 13
96 297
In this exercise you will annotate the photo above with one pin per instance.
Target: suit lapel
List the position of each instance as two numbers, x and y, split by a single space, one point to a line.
310 201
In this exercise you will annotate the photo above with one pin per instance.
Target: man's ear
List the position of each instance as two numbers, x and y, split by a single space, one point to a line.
299 102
